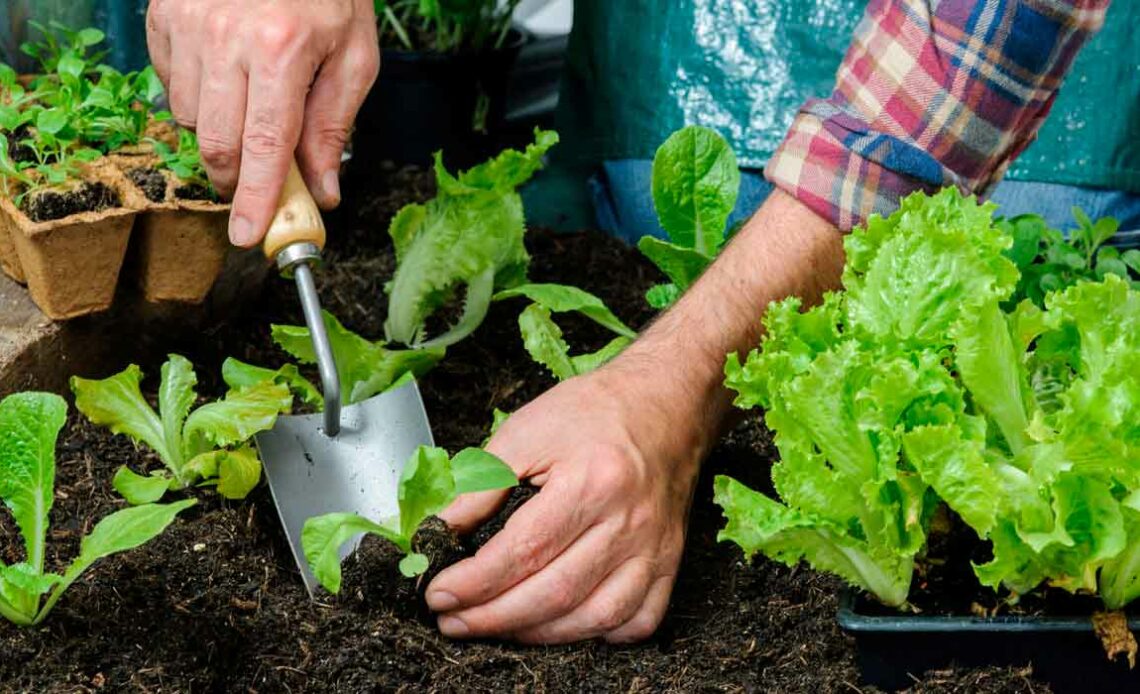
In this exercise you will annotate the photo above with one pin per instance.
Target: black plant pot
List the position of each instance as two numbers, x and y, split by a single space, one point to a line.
1064 651
425 102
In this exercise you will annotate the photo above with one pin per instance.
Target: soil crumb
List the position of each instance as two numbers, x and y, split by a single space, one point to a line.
196 191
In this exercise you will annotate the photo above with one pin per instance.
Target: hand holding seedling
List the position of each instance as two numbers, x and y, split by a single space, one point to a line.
259 81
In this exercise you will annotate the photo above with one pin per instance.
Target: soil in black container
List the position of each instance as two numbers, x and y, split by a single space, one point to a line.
49 205
215 604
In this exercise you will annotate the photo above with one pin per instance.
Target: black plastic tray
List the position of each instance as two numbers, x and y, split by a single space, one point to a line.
1064 651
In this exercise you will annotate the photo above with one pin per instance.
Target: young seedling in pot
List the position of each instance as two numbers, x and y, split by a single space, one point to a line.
430 482
29 426
695 185
206 446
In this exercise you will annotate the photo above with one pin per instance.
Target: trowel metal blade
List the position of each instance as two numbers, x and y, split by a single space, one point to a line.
358 471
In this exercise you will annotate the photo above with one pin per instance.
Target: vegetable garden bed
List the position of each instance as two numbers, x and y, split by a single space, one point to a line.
215 603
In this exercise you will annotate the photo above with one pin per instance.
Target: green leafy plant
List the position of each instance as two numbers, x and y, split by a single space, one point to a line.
62 47
430 482
542 337
365 368
204 446
1050 262
919 385
185 162
29 426
695 185
470 235
445 26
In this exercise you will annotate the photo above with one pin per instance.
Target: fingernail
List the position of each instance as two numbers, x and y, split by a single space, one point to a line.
241 231
331 183
442 601
453 627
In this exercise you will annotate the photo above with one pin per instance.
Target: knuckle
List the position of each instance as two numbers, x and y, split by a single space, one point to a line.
562 596
220 25
639 628
611 613
218 152
266 142
365 65
278 32
529 554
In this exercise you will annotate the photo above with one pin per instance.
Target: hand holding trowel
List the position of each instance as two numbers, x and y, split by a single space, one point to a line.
347 459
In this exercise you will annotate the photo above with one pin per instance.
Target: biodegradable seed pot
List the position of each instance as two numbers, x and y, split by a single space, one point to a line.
71 264
181 242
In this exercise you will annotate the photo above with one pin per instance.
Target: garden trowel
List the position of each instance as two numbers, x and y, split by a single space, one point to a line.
346 459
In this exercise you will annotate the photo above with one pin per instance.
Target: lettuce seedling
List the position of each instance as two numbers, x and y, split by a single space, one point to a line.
206 446
470 235
430 482
543 338
695 185
365 368
29 426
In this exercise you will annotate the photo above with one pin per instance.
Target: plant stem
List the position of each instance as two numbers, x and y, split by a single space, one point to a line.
401 33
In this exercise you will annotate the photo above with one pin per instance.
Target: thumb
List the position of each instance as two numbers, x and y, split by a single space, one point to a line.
470 511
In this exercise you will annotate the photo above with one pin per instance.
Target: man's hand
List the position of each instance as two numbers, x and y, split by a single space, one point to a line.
616 455
260 81
595 552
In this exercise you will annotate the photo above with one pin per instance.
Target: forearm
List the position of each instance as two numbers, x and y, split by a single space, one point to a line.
784 249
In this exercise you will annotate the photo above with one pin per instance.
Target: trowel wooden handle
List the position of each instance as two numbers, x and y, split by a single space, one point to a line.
298 219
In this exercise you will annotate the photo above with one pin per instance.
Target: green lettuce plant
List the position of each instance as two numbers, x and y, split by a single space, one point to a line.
919 384
208 445
430 482
29 426
695 185
469 236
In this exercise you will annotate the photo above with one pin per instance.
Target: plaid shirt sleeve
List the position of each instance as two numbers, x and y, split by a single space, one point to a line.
930 94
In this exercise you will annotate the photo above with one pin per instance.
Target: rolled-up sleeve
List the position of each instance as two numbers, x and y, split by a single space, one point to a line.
930 94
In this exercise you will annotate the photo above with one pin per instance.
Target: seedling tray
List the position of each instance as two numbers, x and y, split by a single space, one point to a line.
893 651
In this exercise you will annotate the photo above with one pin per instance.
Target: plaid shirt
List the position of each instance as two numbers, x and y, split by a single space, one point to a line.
931 93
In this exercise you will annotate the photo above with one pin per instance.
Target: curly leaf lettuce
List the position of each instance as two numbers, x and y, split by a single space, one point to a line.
469 236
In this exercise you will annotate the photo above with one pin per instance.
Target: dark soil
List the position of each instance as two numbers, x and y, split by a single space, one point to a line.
216 605
195 191
20 153
150 181
48 205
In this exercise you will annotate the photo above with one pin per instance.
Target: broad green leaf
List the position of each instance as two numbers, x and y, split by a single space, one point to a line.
585 363
683 266
176 396
990 365
542 339
21 587
365 368
414 564
239 471
140 489
956 468
323 536
117 403
121 531
90 37
29 426
238 374
476 470
426 488
695 184
759 524
559 298
1120 578
51 121
237 417
469 237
